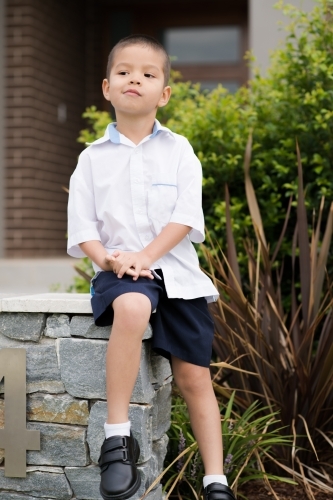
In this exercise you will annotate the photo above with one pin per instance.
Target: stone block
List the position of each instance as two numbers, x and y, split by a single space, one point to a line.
85 482
57 325
82 367
161 370
41 482
148 333
43 372
160 448
61 445
62 409
148 473
161 411
22 326
141 426
140 417
84 326
155 494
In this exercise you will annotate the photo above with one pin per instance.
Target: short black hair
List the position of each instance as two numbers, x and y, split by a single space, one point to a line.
145 41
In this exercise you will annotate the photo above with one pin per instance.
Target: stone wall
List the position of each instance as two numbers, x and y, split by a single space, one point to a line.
66 399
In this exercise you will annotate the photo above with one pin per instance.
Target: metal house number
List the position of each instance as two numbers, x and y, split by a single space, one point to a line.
15 438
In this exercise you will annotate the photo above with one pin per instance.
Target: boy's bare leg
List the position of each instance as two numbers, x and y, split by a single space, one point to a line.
131 315
194 383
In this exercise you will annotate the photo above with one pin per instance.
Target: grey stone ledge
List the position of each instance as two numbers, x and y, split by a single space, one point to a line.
42 482
73 303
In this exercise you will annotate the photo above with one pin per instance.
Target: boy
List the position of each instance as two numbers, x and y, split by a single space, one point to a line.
134 208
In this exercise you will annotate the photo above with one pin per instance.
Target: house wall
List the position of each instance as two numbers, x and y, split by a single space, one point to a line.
52 63
264 32
45 97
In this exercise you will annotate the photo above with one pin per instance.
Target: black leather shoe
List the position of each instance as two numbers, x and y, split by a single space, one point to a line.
120 478
218 491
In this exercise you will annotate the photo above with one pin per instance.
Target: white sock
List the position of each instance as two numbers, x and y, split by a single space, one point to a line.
117 429
214 478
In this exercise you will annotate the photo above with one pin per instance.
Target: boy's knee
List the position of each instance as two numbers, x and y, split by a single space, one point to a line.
132 307
192 378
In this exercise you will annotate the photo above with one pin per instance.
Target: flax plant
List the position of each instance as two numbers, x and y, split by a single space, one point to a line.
282 357
248 438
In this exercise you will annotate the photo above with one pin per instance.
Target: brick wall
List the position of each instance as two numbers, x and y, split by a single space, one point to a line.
96 53
45 69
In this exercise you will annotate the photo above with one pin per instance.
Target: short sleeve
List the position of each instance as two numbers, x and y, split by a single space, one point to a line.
188 209
82 220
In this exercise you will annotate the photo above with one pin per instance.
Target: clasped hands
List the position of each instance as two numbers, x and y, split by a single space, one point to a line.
132 263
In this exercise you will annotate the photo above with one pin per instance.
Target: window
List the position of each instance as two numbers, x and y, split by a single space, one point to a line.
204 45
208 54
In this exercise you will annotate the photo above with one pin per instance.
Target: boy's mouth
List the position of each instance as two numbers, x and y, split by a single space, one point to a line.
132 92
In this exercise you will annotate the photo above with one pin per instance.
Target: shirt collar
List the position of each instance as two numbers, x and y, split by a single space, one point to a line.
112 134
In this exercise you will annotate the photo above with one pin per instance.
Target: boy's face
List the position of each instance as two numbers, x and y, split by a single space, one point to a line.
136 82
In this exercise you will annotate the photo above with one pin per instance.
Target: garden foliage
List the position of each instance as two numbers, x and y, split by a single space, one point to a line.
283 358
293 101
247 437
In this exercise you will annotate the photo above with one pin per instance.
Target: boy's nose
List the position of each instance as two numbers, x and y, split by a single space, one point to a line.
134 81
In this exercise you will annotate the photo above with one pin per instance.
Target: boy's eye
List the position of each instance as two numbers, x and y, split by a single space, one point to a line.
123 72
149 75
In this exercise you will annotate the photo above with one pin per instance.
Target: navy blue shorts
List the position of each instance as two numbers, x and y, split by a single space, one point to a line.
181 328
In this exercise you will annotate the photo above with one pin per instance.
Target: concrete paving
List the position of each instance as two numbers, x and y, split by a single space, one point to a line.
31 276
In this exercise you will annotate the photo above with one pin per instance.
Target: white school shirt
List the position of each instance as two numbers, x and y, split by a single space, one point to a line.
124 194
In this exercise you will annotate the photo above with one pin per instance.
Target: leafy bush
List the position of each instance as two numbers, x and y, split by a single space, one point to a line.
246 438
284 359
294 100
85 273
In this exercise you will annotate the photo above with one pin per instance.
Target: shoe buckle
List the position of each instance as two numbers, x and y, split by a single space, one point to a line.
125 457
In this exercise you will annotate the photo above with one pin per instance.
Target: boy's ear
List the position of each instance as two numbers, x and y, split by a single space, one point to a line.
106 88
164 97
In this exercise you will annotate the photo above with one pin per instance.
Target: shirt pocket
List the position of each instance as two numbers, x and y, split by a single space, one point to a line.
162 200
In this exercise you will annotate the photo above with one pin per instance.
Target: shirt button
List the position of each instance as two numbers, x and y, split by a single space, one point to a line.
136 180
147 237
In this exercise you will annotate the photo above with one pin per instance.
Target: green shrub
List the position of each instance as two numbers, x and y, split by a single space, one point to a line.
282 357
294 100
246 439
85 272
